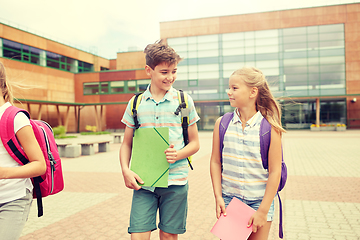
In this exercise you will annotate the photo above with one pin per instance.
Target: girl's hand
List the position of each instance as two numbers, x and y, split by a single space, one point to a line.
171 154
131 180
220 207
257 220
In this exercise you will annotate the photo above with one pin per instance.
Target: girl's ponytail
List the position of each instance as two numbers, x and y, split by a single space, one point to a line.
269 107
5 87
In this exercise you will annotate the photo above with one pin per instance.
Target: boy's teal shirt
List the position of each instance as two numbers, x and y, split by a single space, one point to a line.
161 114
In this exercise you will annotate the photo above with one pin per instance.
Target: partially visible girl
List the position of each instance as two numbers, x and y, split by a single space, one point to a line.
15 184
241 174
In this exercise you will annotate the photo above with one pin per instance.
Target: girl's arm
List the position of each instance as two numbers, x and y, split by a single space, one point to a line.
274 158
36 166
131 179
190 149
215 171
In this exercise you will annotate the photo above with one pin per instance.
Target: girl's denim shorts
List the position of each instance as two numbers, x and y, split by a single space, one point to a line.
253 204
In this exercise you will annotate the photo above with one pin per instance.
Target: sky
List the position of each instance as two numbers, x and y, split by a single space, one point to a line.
110 26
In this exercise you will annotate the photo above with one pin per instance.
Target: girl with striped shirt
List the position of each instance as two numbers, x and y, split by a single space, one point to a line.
241 174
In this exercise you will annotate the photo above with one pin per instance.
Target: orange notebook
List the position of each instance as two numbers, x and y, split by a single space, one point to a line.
233 226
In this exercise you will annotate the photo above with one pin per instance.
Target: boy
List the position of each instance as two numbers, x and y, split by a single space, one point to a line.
157 107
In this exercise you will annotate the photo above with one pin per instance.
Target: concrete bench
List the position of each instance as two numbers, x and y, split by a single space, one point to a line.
87 148
72 151
62 148
117 138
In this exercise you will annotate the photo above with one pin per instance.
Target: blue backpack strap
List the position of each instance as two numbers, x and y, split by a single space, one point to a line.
224 123
265 139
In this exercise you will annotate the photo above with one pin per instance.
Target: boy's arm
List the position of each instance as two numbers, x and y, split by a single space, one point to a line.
191 148
215 171
131 179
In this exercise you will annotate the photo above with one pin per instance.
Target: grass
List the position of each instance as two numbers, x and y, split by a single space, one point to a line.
94 133
64 136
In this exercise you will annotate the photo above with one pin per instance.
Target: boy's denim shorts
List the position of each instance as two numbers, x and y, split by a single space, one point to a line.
172 205
253 204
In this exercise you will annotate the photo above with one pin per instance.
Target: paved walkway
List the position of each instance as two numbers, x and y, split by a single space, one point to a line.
321 198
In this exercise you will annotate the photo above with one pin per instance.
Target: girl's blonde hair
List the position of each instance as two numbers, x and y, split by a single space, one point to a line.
265 102
5 87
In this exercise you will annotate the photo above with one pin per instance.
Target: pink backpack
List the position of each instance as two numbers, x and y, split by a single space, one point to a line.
52 181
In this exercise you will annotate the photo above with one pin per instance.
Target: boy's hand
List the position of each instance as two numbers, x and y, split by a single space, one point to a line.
131 180
171 154
220 207
257 220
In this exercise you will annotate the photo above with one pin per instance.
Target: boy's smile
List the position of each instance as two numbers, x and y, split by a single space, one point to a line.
162 77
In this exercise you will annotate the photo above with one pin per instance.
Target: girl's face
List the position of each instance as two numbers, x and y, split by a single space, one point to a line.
239 93
163 76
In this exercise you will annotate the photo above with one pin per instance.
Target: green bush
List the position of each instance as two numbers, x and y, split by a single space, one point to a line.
59 131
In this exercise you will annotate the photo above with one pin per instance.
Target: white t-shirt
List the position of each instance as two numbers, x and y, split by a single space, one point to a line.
12 189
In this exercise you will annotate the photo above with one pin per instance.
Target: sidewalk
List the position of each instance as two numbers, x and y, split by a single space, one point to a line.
321 199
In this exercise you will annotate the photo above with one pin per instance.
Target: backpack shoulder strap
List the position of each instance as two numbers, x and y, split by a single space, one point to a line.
7 119
183 108
134 104
185 111
265 139
224 123
8 137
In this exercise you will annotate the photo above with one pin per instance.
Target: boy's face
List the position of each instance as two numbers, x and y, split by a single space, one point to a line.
162 77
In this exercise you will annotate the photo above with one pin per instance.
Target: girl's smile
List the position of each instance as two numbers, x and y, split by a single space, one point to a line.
239 92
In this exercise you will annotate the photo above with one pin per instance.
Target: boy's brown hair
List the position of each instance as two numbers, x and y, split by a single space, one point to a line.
160 52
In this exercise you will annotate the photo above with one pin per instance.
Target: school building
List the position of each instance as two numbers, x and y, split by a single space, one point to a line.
310 56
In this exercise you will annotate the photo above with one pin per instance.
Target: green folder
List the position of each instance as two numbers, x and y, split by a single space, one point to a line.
148 159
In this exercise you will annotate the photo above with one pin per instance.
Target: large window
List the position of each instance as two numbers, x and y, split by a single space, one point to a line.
142 84
25 53
20 52
84 67
53 60
302 114
199 73
333 111
91 88
58 61
115 87
298 62
314 61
